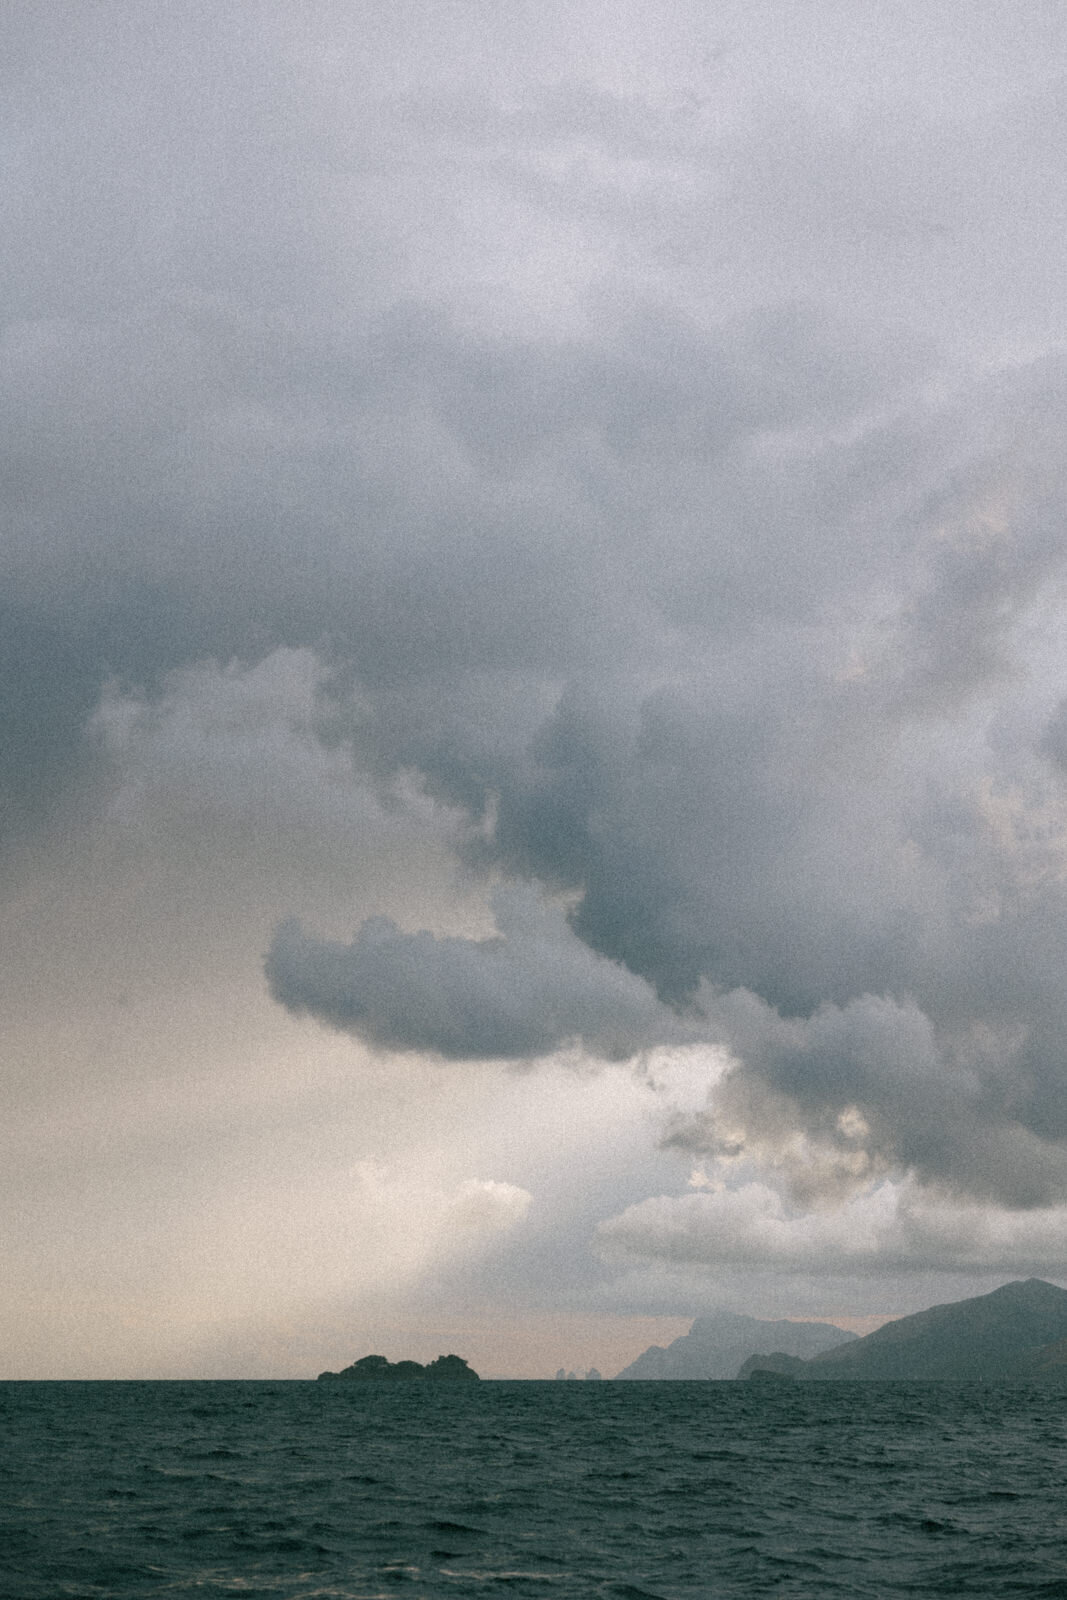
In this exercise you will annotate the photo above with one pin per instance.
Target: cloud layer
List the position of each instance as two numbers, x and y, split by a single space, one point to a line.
534 453
891 1229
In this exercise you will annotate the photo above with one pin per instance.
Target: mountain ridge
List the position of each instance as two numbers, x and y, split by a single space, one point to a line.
717 1344
1016 1331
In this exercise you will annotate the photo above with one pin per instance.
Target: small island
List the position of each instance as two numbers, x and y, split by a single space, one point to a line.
376 1369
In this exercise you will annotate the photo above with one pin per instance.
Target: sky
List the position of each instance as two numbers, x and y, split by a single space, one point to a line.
533 687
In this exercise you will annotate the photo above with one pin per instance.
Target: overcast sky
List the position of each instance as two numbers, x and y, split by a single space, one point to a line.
533 682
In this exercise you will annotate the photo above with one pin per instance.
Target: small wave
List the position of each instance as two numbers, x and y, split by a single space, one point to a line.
630 1591
506 1575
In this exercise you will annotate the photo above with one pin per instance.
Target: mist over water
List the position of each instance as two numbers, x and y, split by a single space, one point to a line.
647 1491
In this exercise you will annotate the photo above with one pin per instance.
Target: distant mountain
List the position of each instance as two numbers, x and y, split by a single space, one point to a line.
716 1345
376 1369
1018 1331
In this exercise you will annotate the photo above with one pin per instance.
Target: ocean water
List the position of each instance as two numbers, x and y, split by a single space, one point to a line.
634 1490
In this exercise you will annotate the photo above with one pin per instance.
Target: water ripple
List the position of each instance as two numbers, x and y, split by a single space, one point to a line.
628 1491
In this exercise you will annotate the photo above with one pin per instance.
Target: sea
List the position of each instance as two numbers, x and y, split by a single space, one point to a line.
641 1491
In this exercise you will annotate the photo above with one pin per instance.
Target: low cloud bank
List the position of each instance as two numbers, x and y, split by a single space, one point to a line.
891 1228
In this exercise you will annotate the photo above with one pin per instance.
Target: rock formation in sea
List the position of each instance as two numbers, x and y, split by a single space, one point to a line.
375 1369
716 1345
1017 1332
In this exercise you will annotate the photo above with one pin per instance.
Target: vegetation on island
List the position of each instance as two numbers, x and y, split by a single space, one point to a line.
377 1369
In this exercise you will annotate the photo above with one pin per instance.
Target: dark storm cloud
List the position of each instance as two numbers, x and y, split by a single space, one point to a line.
205 487
877 1085
531 990
834 830
700 585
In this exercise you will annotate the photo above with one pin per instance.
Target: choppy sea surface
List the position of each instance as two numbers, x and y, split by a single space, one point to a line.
634 1490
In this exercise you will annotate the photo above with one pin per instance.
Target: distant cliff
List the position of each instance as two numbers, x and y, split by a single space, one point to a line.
716 1345
376 1369
1017 1332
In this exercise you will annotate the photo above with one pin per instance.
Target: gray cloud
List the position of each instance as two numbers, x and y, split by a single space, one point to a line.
890 1230
875 1085
529 991
664 465
1053 743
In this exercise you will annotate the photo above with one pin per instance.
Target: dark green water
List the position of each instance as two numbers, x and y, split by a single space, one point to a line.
672 1490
